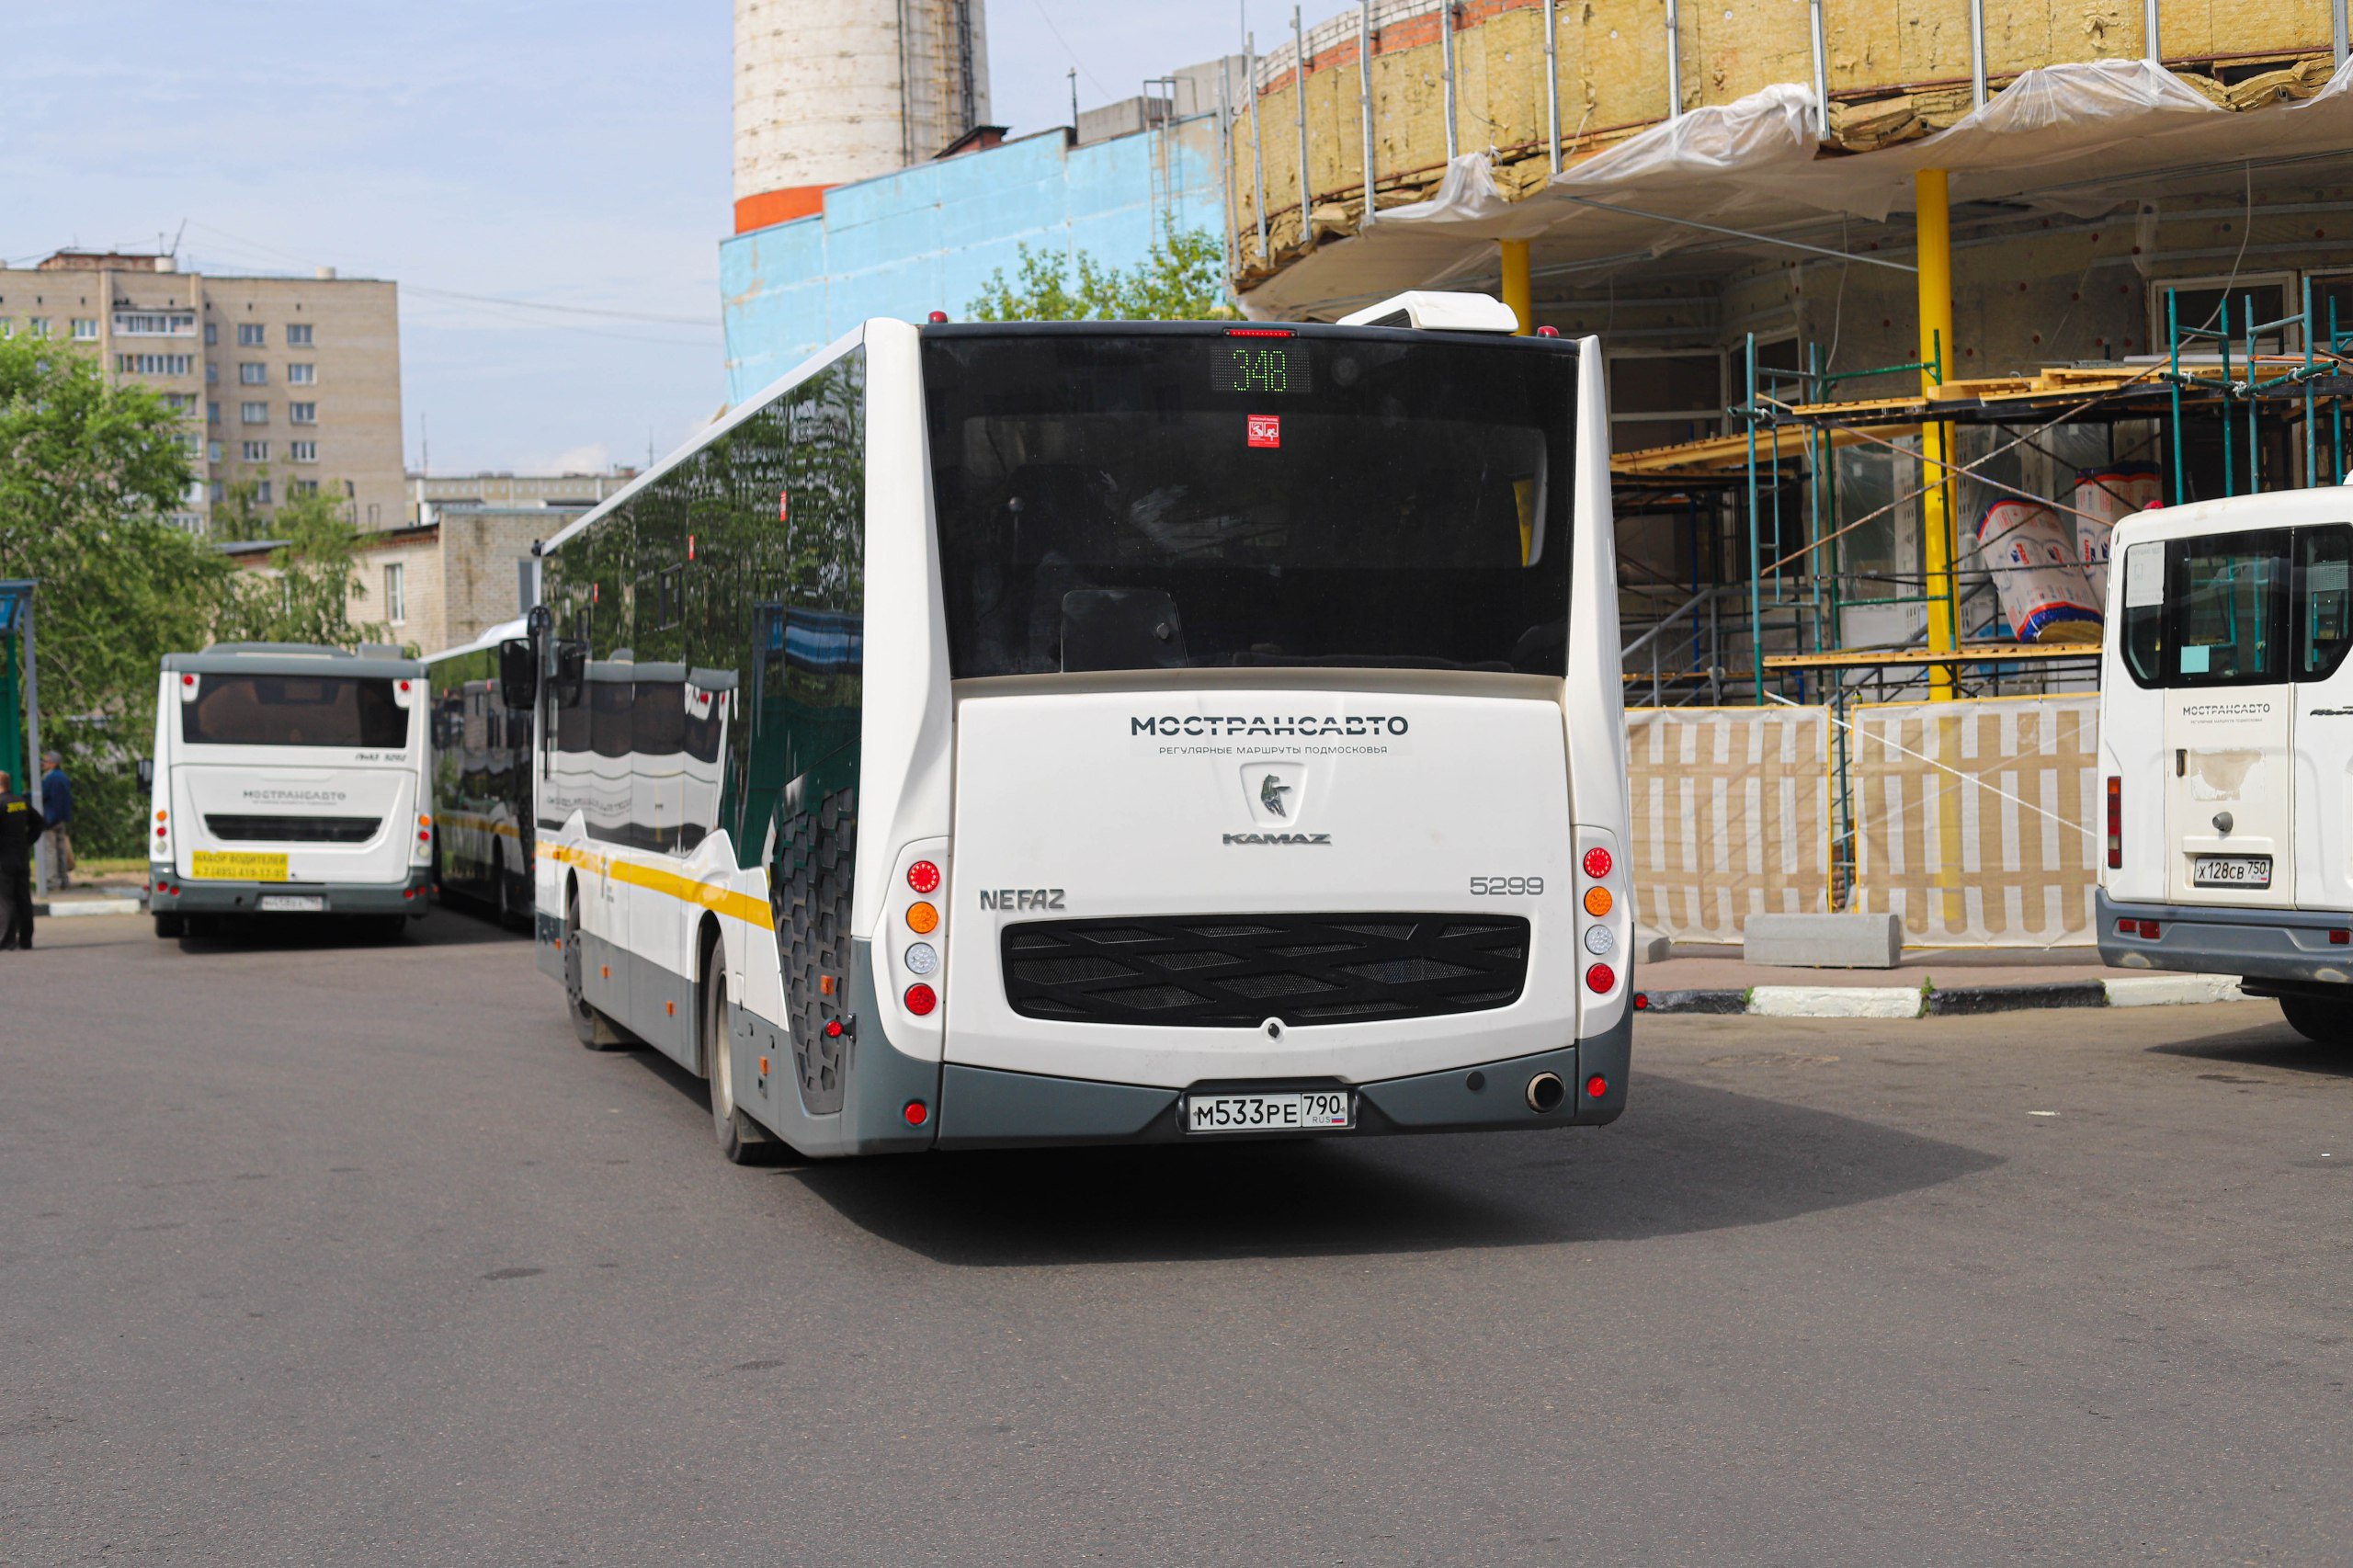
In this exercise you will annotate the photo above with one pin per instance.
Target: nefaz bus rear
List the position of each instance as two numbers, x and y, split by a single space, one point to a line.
1099 732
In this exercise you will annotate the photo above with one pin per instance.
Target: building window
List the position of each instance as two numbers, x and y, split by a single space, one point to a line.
85 329
252 375
155 364
396 593
253 413
7 329
149 323
213 450
191 443
302 375
302 487
36 326
211 374
211 412
373 510
302 452
211 334
251 334
261 492
257 452
302 412
298 334
180 403
220 492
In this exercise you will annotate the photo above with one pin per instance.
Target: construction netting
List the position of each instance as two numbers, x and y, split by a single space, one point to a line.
1730 812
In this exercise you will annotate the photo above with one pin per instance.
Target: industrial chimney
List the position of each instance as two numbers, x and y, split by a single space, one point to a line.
827 93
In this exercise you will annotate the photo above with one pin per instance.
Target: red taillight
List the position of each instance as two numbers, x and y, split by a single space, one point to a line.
1257 332
917 1113
924 876
1598 863
2150 928
921 999
2115 822
937 318
1642 1001
1597 1086
188 680
833 1029
2340 938
160 831
2128 927
1600 977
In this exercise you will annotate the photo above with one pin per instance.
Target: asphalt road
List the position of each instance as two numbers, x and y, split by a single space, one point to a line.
324 1255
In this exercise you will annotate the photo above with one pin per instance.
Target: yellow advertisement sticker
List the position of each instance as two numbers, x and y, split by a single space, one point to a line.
239 866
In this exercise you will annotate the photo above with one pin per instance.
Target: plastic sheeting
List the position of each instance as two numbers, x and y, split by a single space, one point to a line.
2044 593
2110 495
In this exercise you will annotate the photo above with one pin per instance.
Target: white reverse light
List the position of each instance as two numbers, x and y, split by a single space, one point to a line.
1598 940
922 958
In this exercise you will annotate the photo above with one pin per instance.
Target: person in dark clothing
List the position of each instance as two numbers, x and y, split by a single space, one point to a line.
20 824
57 810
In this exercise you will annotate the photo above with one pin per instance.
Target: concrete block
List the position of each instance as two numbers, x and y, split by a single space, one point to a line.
1822 941
1834 1002
2174 990
59 909
1650 947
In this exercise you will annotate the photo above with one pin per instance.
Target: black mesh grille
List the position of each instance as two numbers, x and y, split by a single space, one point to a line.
1239 971
293 830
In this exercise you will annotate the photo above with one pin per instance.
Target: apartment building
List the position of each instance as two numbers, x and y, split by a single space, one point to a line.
286 384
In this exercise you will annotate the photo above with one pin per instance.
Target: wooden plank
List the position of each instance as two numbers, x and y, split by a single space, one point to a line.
1913 658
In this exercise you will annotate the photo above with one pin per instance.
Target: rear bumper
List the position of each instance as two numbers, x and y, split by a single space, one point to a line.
983 1107
173 896
2287 946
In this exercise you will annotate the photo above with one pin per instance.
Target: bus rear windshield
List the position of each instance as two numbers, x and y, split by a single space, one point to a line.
294 710
1122 500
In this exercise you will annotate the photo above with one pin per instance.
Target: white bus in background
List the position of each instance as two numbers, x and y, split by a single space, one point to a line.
1115 733
2226 749
482 773
288 779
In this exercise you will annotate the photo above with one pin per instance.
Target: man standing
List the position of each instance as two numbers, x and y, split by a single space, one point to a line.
57 810
20 824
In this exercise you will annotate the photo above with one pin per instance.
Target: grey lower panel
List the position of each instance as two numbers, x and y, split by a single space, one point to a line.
879 1080
244 898
546 942
2262 944
985 1107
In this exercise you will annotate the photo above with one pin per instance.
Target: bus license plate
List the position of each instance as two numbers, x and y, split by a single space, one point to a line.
2230 871
1314 1110
293 904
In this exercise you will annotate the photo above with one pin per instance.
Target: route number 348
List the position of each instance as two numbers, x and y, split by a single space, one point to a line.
1505 887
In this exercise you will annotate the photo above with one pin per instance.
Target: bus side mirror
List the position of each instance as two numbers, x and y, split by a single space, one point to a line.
519 673
146 773
570 670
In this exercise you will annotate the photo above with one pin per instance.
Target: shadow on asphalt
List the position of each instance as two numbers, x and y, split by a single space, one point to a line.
1684 1159
2275 1045
444 927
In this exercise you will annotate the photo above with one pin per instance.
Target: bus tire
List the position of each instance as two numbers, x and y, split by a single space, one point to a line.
2323 1023
741 1142
169 927
588 1026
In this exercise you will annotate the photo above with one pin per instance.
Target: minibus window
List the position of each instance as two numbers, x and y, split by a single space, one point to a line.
2145 611
2230 609
2324 562
294 710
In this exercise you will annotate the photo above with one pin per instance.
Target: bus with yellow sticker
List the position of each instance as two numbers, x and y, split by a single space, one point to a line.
289 779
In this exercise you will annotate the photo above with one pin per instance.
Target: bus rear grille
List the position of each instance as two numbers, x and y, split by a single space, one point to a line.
1237 970
293 830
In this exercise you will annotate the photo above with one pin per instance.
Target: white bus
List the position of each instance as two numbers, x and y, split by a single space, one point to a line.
481 734
2226 749
1097 732
288 779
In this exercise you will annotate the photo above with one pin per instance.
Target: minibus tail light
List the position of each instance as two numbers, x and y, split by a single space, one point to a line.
2115 822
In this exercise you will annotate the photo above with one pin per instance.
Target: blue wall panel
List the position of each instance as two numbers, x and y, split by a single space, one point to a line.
928 238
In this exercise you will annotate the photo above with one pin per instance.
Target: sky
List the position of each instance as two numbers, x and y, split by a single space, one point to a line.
547 182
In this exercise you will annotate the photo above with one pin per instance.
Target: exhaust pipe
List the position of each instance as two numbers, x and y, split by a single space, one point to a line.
1545 1092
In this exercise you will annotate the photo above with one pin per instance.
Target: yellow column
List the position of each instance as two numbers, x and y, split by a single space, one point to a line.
1518 292
1935 344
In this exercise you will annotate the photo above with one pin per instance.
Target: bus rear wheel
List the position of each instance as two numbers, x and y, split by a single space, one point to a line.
740 1141
2323 1023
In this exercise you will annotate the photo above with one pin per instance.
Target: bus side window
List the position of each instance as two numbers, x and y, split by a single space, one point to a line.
2323 562
2145 612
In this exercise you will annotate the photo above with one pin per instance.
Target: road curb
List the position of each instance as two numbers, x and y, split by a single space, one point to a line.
1947 1001
66 908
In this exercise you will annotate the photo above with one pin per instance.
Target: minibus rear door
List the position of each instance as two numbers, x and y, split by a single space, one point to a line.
2323 718
2229 719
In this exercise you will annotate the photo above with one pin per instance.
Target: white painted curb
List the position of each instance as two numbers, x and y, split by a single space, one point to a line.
2169 990
1836 1002
60 909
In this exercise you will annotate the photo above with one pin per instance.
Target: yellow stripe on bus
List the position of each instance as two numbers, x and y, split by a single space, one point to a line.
709 895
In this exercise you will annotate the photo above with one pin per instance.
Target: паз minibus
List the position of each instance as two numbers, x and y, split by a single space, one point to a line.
288 779
1093 732
2226 749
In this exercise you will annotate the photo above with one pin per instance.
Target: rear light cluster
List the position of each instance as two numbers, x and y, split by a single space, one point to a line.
2148 928
921 956
1599 939
2115 822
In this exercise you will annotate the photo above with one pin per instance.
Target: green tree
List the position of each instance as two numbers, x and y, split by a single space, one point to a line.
89 475
305 597
1180 280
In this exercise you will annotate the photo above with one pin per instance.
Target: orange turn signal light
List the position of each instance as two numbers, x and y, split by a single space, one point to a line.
923 919
1596 902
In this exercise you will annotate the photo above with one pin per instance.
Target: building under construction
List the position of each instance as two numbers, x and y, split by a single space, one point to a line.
1906 302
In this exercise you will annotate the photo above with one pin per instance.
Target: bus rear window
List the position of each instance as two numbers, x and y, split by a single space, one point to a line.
294 710
1116 500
